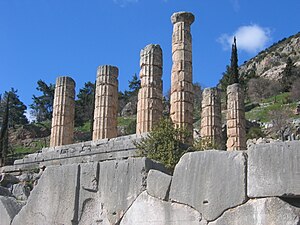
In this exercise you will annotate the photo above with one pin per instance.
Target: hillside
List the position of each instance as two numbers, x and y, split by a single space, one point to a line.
270 62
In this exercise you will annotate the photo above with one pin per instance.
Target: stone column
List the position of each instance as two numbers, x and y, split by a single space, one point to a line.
236 122
106 103
182 93
62 131
211 119
149 106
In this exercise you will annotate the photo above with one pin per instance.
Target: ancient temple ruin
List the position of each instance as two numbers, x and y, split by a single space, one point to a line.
62 131
150 105
106 103
182 91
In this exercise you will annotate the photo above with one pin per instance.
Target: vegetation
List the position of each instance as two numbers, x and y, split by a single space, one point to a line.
164 143
42 105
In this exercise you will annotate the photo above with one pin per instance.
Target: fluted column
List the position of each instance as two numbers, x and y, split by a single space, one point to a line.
211 119
106 103
62 131
149 106
236 122
182 93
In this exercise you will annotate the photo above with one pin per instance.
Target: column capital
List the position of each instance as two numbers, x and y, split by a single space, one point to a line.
186 17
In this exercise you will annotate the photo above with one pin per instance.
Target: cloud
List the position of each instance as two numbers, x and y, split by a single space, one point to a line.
29 116
123 3
251 39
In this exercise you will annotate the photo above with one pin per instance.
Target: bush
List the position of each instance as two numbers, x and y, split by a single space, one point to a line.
165 143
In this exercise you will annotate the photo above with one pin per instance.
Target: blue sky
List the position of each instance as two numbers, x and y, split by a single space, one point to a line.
43 39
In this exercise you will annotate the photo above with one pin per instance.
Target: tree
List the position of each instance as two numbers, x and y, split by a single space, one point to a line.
261 88
295 90
84 105
17 108
164 143
288 75
134 84
42 106
4 133
234 71
281 121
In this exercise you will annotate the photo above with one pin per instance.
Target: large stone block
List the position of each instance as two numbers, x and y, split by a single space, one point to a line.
210 181
9 208
158 184
265 211
147 210
274 170
86 193
53 200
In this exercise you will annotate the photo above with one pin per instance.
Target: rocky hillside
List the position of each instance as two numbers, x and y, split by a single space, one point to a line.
271 62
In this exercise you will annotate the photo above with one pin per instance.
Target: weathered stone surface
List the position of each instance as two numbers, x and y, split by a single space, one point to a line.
4 191
86 193
236 122
62 131
6 180
274 170
152 211
90 151
158 184
106 103
211 124
9 208
210 181
21 191
53 200
265 211
150 106
181 98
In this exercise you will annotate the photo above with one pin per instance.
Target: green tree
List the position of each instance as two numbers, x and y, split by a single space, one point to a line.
42 105
4 132
164 143
134 84
17 108
84 105
288 75
234 71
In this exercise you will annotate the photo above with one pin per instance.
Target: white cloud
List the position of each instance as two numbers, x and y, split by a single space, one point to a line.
251 39
29 116
123 3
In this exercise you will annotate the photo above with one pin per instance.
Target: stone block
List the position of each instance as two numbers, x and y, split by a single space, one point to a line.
158 184
274 170
265 211
147 210
210 181
9 208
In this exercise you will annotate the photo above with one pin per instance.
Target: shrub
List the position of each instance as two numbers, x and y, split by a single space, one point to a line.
165 143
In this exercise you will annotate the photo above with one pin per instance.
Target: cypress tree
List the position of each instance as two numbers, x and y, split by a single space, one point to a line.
234 72
4 133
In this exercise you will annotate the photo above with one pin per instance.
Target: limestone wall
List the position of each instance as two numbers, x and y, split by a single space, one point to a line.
258 186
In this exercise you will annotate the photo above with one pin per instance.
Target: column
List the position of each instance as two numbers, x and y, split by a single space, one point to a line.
106 103
182 93
211 119
150 106
62 131
236 122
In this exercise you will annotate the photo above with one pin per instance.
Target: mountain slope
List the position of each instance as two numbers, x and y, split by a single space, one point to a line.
271 62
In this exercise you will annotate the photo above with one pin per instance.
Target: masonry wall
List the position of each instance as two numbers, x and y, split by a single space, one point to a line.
258 186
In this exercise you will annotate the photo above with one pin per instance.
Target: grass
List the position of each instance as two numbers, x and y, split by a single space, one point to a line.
125 121
278 102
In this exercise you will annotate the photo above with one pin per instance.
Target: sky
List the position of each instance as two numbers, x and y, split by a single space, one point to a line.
44 39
